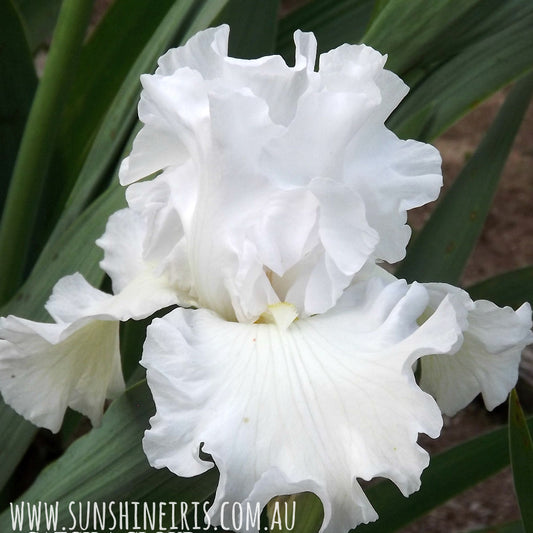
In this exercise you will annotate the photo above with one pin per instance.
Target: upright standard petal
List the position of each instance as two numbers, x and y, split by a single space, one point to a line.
140 284
298 404
486 362
242 138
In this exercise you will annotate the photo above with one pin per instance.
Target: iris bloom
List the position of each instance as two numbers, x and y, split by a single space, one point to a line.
290 357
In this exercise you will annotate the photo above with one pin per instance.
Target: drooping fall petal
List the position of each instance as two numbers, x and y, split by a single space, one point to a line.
45 368
487 360
308 406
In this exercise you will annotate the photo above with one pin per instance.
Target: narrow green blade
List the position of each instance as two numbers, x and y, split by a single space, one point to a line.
334 22
17 435
104 64
521 450
16 90
510 288
301 513
24 195
406 31
40 19
253 27
442 248
379 6
454 84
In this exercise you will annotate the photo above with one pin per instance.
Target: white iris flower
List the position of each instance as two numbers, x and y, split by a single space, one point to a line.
290 357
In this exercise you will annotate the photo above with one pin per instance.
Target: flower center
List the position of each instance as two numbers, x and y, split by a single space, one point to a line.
282 314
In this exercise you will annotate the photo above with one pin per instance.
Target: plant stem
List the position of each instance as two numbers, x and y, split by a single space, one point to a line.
37 143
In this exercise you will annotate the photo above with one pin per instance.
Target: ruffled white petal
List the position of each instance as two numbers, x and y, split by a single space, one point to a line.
202 52
488 359
311 406
122 244
344 232
74 362
392 176
243 138
73 298
166 208
45 368
349 68
315 141
279 249
172 132
277 189
140 283
269 78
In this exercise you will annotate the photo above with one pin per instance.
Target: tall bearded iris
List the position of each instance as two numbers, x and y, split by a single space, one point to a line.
290 357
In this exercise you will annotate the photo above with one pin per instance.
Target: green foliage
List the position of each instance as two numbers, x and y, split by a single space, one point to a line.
16 436
453 54
108 464
441 250
417 27
40 19
253 27
521 449
25 187
453 80
16 90
510 288
333 22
